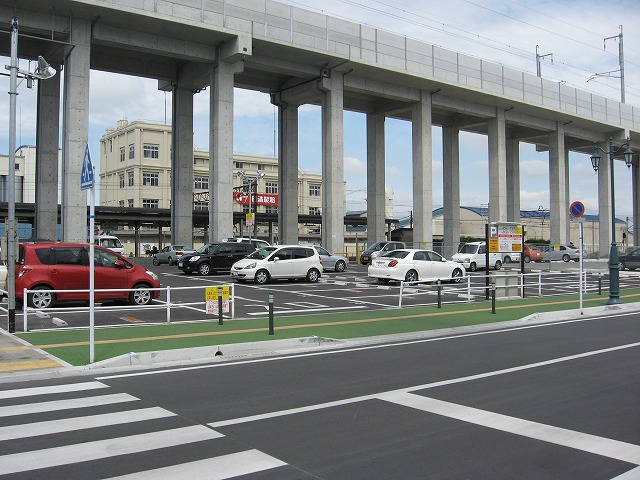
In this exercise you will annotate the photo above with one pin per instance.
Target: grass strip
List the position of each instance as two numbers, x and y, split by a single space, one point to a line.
72 345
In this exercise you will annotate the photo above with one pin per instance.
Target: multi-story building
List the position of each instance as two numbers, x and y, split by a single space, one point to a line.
135 171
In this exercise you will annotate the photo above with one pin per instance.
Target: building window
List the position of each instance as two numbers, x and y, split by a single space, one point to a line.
239 165
122 154
150 203
121 203
130 202
245 208
131 179
201 183
150 179
121 179
132 151
261 166
201 205
314 190
314 210
150 151
271 187
271 209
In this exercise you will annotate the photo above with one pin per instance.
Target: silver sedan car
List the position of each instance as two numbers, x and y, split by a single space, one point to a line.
170 254
331 261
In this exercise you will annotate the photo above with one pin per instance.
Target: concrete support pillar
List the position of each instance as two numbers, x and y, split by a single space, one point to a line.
558 208
604 202
221 151
513 180
422 171
47 147
451 189
497 168
288 173
333 194
376 211
76 131
182 167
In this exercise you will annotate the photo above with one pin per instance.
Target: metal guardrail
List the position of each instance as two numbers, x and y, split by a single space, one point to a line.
512 285
165 304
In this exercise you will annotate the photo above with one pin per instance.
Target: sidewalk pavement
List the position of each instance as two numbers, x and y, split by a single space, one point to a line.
17 355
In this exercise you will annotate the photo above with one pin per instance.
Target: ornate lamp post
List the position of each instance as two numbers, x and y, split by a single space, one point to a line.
42 72
614 265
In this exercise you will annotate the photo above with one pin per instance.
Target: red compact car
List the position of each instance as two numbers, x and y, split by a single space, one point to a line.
48 266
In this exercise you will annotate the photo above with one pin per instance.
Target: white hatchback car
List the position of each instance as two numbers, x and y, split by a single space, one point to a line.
279 262
408 265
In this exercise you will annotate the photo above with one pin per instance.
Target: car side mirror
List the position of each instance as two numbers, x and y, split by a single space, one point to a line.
275 259
119 263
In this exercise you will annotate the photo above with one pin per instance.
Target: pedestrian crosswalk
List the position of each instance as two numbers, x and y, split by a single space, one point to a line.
84 430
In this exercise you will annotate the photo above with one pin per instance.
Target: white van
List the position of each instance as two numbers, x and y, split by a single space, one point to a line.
472 256
110 242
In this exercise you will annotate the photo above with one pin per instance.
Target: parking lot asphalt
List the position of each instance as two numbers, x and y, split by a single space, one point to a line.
17 355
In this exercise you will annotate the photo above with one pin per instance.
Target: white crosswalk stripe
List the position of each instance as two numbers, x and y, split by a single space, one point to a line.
40 427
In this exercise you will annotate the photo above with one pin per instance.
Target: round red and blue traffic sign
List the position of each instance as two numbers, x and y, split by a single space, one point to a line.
576 209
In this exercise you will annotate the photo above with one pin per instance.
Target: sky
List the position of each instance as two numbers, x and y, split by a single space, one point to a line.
569 33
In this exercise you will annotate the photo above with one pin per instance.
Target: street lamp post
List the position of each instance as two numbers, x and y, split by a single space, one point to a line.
42 72
614 265
252 184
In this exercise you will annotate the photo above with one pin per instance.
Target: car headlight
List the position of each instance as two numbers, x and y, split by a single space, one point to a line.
251 266
195 258
152 275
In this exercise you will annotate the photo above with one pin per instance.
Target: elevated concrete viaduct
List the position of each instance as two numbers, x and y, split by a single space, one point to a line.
300 57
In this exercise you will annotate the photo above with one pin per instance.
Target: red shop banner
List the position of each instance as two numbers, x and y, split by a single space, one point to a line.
261 199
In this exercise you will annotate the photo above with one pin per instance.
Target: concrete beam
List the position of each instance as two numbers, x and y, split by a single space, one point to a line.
144 42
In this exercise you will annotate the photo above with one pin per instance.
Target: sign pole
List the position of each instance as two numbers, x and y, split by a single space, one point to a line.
87 182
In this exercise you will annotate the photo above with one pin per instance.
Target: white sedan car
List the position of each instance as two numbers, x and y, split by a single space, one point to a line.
415 266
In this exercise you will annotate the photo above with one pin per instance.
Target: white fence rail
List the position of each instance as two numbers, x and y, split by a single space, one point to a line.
511 285
165 302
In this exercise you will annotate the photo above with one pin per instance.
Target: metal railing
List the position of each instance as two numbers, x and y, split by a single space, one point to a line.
167 303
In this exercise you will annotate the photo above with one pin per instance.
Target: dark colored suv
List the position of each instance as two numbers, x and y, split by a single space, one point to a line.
46 266
217 258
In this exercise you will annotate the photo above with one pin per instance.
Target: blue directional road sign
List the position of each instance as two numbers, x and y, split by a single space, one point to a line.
86 177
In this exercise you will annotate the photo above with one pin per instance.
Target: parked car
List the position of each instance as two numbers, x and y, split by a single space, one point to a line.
109 241
257 243
532 253
473 255
217 258
630 260
331 261
171 254
566 253
379 248
50 266
511 257
410 265
279 262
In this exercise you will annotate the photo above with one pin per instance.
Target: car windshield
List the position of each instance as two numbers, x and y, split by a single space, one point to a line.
396 254
262 253
207 248
468 248
376 246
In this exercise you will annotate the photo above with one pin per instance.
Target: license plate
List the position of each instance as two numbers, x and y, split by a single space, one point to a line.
179 264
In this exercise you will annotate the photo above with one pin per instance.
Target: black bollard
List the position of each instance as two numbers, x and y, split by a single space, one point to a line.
220 322
439 294
493 297
270 313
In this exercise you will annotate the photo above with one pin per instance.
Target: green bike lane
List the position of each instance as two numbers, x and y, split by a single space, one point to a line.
55 349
